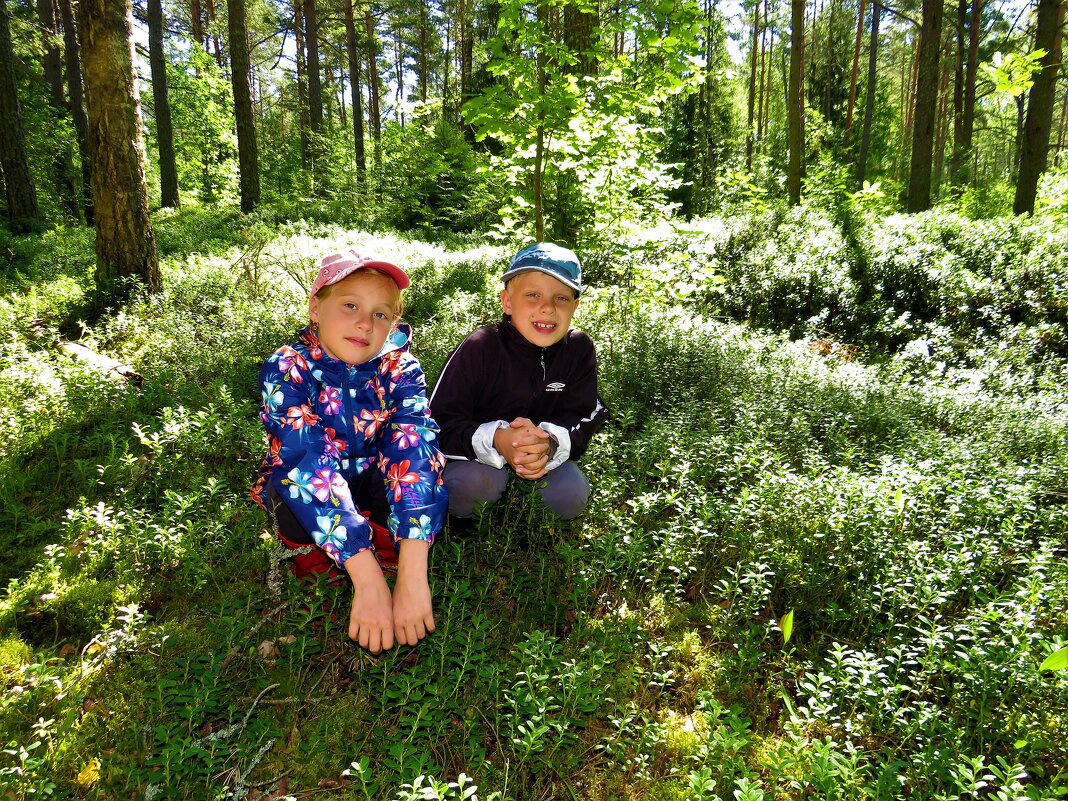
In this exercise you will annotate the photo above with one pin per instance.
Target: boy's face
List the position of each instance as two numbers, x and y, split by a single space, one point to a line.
541 307
356 316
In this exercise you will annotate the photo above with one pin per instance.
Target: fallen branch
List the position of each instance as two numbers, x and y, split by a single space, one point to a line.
112 368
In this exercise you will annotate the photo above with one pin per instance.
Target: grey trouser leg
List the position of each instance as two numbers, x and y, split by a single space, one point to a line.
565 490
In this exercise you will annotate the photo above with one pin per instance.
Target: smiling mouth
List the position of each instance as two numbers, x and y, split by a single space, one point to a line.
545 328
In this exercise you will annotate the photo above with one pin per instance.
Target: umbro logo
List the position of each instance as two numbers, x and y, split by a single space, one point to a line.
555 386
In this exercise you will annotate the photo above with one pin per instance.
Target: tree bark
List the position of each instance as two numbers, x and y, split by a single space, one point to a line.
372 86
941 129
853 76
19 190
196 22
76 103
1040 102
315 80
869 100
248 156
753 55
302 82
168 169
52 62
125 245
796 112
357 92
919 197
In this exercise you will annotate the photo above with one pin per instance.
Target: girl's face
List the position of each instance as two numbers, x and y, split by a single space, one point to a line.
356 316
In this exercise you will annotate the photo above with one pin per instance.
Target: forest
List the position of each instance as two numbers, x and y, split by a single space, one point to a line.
825 245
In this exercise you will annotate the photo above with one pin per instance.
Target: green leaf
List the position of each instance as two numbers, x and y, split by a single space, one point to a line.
1058 660
786 624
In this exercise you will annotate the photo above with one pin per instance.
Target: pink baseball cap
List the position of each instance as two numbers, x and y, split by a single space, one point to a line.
340 265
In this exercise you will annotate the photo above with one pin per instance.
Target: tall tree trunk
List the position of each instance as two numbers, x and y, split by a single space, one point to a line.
76 103
424 43
1040 101
869 100
796 112
248 155
764 81
19 190
302 82
580 34
919 198
372 87
125 245
209 6
941 129
971 72
830 62
196 22
853 76
52 61
753 55
315 93
357 92
958 91
168 169
1061 129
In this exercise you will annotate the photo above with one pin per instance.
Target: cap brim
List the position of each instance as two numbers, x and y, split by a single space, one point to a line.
400 278
531 269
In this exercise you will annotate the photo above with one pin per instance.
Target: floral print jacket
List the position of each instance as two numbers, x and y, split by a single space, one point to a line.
327 422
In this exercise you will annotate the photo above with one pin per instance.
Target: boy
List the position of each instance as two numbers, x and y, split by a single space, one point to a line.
522 392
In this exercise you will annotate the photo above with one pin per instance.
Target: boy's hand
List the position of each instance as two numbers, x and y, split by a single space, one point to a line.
413 614
371 619
525 447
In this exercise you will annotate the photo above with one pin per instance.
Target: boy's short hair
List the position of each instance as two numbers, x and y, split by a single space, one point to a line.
549 258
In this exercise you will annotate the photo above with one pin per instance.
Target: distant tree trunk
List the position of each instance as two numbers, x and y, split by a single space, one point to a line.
315 89
941 129
125 245
753 55
168 169
372 87
357 92
796 112
52 63
196 22
19 190
302 82
971 72
1040 101
869 101
853 75
210 8
958 90
919 197
248 156
580 34
1061 128
76 102
830 63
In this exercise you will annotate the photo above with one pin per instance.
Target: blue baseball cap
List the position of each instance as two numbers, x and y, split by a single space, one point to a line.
545 257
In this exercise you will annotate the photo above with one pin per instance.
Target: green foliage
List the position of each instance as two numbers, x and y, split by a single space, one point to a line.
912 515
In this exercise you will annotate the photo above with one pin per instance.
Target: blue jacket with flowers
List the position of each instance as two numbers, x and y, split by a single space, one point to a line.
328 421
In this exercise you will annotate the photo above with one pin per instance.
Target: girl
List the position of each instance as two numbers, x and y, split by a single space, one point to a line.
349 428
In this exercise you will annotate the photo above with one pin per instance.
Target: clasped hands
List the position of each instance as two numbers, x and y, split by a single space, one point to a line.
525 447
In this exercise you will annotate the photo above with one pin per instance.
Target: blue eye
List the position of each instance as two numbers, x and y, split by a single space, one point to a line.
381 315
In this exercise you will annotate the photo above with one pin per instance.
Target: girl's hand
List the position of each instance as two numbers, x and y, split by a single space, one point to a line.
413 613
371 619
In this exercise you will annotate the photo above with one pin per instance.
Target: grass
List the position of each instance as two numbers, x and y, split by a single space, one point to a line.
912 520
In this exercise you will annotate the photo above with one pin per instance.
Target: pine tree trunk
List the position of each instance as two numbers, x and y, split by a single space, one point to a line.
1040 101
749 135
796 112
373 88
210 8
168 169
853 76
125 245
941 130
958 92
19 190
919 198
1058 158
52 61
869 100
76 103
424 43
971 73
196 22
357 92
248 157
315 94
302 82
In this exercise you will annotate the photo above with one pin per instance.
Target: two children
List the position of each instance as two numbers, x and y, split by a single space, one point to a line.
355 479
